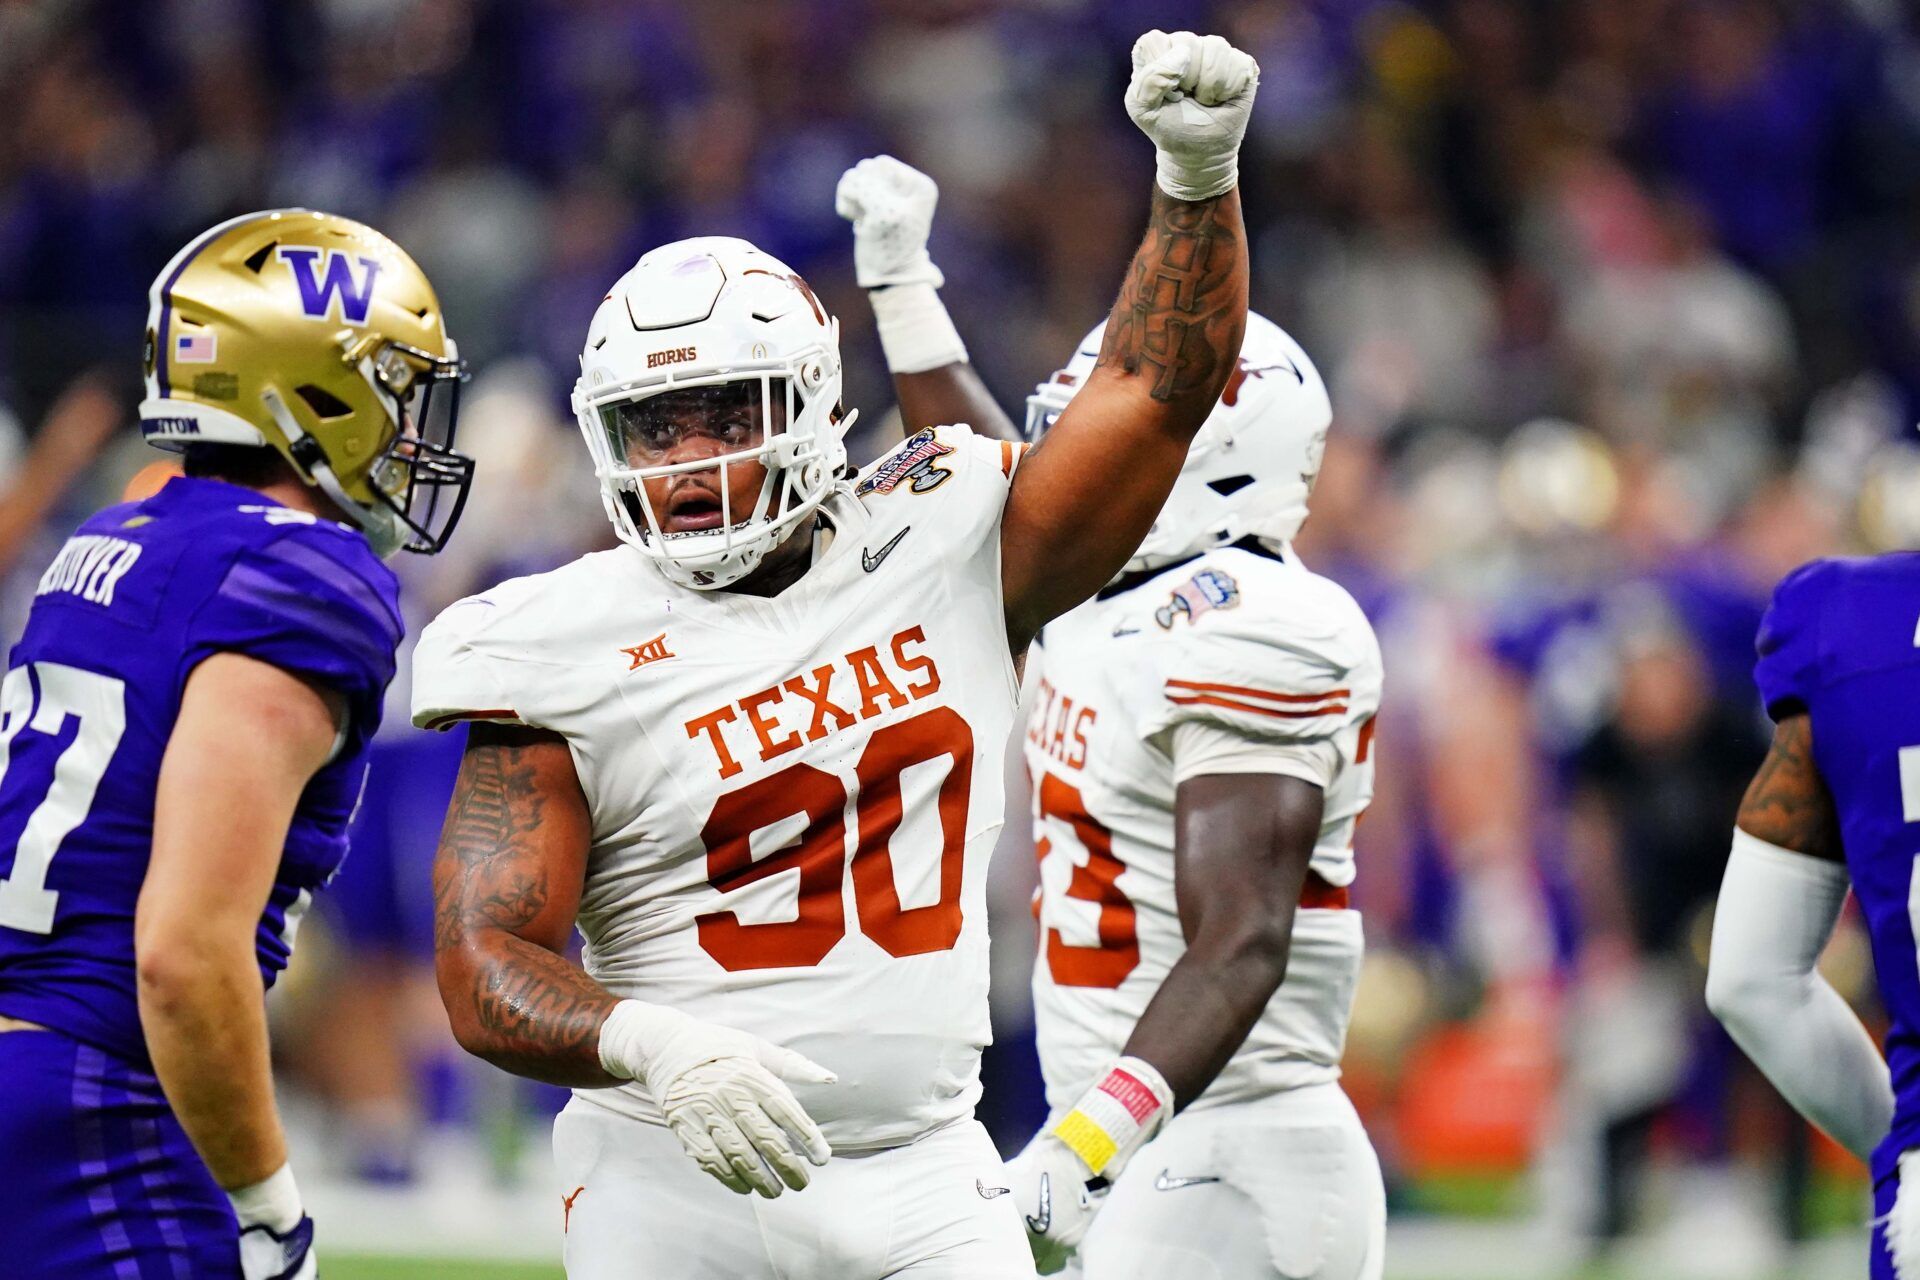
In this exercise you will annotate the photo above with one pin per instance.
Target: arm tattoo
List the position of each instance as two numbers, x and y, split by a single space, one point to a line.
1181 314
536 1013
1788 804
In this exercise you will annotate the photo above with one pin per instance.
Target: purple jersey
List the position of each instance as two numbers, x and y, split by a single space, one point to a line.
1839 643
128 608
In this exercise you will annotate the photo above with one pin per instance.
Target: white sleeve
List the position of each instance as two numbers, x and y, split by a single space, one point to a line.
452 679
1776 912
1200 747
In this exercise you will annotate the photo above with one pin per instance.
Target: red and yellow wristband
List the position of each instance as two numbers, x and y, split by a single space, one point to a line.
1116 1117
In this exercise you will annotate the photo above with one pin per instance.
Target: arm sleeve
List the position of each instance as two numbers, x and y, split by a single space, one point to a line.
1777 909
312 603
453 679
1789 641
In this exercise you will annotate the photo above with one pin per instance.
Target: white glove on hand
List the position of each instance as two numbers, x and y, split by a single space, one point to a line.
890 205
1050 1188
276 1235
721 1091
1192 94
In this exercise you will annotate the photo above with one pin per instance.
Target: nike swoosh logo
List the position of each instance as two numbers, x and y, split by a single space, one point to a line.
1165 1182
987 1192
871 560
1038 1225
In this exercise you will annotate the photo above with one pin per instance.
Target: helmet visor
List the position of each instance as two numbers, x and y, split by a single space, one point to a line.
663 429
420 477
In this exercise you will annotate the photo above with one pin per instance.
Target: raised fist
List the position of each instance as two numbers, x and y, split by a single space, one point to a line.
1192 95
890 205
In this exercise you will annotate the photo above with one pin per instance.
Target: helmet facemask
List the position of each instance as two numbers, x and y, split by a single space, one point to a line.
767 417
419 478
417 484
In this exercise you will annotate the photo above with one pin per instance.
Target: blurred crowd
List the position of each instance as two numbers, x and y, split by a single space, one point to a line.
1617 301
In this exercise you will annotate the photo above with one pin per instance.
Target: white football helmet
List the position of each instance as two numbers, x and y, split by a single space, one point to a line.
1251 467
707 312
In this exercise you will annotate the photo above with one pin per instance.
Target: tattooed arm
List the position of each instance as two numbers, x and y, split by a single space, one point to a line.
1082 501
506 889
1787 804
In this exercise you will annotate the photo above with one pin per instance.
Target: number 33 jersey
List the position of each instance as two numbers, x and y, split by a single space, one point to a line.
1235 661
133 602
793 798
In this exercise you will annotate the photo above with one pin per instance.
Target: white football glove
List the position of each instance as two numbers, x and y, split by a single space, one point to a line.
1192 95
890 205
1050 1189
722 1092
1061 1178
276 1235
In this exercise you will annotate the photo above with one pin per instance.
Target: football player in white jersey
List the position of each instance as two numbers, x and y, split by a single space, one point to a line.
754 752
1199 747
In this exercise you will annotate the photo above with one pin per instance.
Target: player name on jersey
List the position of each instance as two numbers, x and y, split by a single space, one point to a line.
90 566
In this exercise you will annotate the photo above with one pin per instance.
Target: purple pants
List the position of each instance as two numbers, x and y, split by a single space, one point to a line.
97 1179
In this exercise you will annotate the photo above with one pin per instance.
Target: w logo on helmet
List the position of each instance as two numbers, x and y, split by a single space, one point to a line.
333 278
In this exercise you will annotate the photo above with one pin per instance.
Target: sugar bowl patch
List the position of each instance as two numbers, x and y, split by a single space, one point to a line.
1204 592
911 464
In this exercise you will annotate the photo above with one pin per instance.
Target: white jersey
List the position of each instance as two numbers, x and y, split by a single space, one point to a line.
1234 646
793 799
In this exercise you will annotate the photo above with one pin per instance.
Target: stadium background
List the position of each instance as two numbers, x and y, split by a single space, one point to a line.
1617 301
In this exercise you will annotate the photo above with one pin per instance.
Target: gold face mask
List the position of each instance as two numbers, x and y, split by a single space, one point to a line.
320 338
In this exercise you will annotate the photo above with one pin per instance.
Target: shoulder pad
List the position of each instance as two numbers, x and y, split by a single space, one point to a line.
1264 649
453 676
1788 645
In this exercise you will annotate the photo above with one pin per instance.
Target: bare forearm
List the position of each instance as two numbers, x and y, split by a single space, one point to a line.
506 882
206 1029
952 393
1175 329
527 1010
1202 1013
1083 499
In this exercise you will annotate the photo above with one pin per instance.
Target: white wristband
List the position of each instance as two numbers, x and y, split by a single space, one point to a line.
273 1202
1185 181
1117 1116
630 1036
916 332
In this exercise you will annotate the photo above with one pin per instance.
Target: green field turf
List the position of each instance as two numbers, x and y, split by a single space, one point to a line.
335 1267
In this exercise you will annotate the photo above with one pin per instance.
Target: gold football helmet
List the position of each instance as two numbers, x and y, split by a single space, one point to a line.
319 337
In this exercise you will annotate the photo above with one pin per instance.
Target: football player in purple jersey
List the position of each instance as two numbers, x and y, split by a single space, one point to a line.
1832 807
183 734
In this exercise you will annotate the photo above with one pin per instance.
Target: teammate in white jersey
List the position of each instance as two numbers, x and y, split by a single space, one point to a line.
754 752
1199 748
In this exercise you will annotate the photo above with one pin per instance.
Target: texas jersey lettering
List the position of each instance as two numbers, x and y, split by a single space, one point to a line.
793 798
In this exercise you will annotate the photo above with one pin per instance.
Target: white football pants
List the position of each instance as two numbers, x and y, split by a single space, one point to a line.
638 1208
1286 1188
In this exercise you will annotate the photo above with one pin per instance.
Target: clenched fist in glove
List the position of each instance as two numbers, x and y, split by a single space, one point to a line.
1192 95
890 205
724 1094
